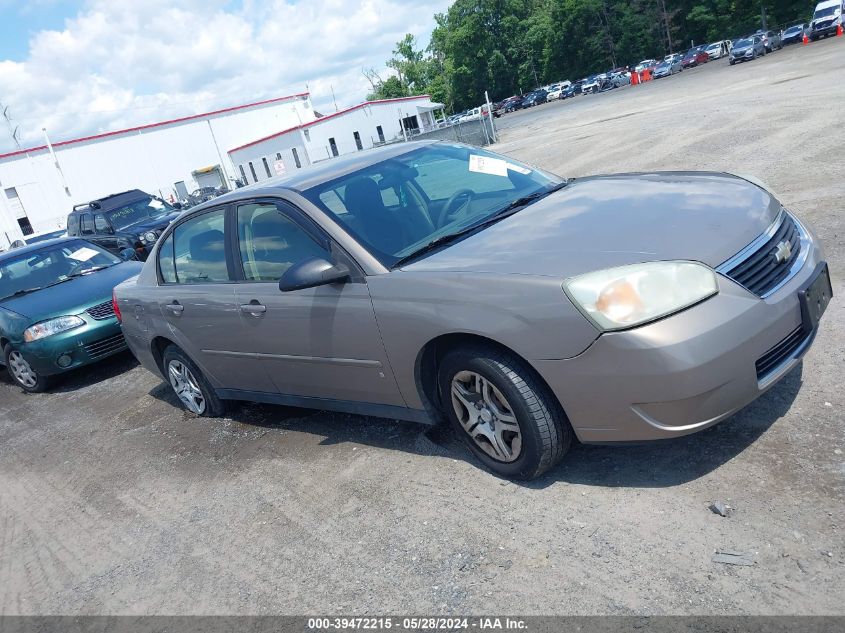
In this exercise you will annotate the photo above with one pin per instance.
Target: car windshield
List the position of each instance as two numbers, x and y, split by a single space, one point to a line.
51 265
792 29
138 211
823 13
742 43
399 206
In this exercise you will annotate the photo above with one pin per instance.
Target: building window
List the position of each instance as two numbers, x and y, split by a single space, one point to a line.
26 227
296 158
266 167
252 170
278 156
243 175
380 134
307 134
357 140
333 145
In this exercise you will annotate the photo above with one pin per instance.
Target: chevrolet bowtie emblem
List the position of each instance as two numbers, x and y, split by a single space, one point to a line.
782 252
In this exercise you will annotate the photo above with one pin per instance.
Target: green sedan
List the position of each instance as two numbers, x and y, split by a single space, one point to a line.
56 311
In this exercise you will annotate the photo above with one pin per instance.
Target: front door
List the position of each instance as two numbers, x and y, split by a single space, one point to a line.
319 342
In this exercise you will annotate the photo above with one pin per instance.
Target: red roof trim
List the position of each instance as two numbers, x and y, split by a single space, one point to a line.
153 125
325 118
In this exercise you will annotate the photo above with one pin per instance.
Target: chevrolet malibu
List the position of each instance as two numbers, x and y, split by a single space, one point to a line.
424 281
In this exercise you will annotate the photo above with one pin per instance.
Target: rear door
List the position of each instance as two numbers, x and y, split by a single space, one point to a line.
196 298
318 342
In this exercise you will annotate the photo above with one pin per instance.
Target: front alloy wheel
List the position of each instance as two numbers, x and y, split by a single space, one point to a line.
506 414
486 416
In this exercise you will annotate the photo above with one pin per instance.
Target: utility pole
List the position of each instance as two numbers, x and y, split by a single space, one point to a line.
763 15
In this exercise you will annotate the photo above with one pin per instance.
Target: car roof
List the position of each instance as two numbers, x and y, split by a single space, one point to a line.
112 201
318 173
31 248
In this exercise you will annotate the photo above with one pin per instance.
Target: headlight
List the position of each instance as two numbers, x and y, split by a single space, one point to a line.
149 238
620 298
51 327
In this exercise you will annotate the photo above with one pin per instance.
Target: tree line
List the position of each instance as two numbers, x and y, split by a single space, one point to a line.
512 46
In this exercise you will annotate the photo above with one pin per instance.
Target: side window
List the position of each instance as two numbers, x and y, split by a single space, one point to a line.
165 261
73 224
87 224
199 249
270 242
101 224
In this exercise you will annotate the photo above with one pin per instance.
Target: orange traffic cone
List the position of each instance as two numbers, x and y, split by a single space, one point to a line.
839 30
806 40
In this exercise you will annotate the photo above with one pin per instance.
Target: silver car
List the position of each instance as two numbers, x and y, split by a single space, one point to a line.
423 281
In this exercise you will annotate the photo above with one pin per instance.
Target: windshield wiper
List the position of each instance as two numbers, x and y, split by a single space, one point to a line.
87 271
502 213
20 293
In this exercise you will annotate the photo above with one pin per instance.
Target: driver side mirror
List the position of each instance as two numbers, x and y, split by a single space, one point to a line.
312 272
128 254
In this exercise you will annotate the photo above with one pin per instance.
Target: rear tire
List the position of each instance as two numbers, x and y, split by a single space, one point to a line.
192 389
508 417
22 374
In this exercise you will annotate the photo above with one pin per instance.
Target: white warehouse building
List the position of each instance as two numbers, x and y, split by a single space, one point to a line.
357 128
243 144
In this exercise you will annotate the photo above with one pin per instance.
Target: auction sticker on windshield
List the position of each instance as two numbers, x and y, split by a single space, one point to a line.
83 254
487 165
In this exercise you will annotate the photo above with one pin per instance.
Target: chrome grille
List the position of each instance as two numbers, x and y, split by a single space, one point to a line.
101 311
106 346
770 263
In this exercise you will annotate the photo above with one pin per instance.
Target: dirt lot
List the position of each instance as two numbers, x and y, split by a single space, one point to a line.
114 501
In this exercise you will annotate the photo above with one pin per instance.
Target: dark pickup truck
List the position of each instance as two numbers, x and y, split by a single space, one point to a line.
129 220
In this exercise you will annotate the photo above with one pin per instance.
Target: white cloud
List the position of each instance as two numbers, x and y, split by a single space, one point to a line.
119 64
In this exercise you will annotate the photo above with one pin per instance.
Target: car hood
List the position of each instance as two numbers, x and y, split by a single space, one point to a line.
741 49
605 221
74 296
152 224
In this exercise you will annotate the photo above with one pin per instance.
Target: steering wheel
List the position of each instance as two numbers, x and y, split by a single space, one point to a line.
459 200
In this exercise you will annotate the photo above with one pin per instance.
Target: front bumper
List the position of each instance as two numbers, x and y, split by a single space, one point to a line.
87 344
830 29
686 372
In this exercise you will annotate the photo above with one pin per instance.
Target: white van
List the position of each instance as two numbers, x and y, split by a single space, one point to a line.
826 19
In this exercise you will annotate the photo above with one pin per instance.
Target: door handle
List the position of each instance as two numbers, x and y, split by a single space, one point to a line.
255 309
175 308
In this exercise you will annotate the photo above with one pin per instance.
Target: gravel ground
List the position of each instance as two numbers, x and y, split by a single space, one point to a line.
114 501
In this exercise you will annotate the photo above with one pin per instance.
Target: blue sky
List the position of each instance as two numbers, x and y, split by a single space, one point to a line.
20 20
92 66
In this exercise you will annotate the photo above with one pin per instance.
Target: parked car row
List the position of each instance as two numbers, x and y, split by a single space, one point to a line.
827 17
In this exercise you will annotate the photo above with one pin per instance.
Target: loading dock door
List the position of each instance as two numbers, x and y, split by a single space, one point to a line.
210 177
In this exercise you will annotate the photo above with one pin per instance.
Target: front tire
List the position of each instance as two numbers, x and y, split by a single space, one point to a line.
503 411
190 386
22 374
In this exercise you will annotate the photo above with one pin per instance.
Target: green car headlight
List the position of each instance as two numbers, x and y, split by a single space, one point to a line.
51 327
627 296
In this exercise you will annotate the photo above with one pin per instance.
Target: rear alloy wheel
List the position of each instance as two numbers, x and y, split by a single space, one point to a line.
190 386
503 411
22 372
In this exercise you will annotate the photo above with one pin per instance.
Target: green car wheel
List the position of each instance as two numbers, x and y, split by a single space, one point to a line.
22 373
